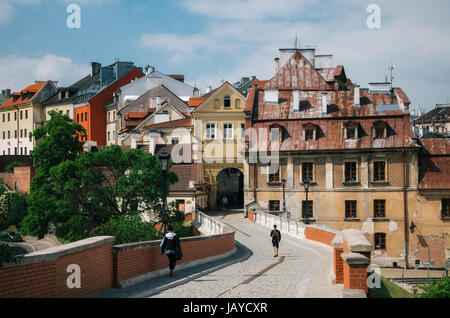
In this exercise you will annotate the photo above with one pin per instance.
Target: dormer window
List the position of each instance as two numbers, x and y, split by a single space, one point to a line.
309 131
379 130
351 130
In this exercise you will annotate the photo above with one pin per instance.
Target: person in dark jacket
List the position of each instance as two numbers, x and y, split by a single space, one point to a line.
170 245
276 238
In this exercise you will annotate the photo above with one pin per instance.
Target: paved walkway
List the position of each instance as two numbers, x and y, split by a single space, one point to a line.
302 270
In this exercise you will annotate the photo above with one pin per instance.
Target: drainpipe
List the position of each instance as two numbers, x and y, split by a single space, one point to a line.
405 210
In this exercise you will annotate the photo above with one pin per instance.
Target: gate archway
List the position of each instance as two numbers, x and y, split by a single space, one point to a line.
230 183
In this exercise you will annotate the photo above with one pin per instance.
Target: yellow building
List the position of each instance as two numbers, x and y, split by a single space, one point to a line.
21 115
219 126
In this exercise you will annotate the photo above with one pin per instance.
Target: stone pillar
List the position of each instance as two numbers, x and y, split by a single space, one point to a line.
290 172
364 172
355 271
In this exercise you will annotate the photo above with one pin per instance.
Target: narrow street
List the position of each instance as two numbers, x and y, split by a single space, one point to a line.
302 269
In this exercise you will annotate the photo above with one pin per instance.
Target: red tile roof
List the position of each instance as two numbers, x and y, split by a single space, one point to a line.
434 164
196 101
33 88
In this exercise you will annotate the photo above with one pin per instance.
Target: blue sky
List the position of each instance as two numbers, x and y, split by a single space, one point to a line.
210 40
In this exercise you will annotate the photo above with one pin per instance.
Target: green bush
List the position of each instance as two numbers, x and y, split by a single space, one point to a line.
10 168
8 255
126 229
437 289
2 187
13 208
183 230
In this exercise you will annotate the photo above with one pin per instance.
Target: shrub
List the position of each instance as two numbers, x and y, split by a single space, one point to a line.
437 289
13 207
8 255
10 168
2 187
183 230
126 229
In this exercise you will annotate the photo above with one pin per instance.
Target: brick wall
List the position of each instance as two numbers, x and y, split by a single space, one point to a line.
338 265
136 259
355 277
431 248
251 216
44 274
21 177
319 235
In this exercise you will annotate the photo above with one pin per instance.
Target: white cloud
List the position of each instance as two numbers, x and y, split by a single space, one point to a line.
7 8
415 36
16 72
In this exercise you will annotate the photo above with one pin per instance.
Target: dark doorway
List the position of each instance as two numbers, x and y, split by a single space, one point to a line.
230 183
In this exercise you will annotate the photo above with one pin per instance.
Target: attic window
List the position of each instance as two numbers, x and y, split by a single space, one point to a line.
277 133
227 102
271 96
309 131
379 130
351 130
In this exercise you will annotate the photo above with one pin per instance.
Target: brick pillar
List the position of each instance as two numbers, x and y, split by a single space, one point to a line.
355 271
338 264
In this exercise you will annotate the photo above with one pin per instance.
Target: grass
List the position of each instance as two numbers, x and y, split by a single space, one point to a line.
389 290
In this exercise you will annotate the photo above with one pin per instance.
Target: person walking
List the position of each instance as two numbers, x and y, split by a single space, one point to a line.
171 246
276 238
224 203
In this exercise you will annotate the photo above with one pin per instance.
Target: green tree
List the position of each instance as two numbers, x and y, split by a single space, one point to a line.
126 229
437 289
58 141
8 255
10 167
94 187
13 207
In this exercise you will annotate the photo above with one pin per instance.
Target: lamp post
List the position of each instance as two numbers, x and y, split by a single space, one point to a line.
283 182
164 162
306 186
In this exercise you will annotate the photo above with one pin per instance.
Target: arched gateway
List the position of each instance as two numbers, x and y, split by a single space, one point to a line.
230 183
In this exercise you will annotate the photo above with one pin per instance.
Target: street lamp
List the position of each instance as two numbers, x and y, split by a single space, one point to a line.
283 182
306 208
164 162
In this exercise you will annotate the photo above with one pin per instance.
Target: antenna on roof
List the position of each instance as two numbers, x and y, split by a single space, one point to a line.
391 68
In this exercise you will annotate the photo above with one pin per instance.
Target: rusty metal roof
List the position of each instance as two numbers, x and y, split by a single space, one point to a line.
434 164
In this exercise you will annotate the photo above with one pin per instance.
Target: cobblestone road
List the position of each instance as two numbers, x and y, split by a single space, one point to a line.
302 270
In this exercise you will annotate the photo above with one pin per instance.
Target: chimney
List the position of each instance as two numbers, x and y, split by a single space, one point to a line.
67 93
277 64
356 95
95 68
158 103
324 103
149 69
420 131
8 92
208 89
59 94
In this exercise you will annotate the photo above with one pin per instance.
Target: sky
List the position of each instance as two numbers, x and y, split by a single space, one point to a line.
213 40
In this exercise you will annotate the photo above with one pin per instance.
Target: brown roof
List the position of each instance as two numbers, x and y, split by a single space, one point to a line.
31 89
185 173
438 114
434 164
298 73
196 101
184 122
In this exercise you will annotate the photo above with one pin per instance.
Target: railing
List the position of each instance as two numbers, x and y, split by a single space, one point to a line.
285 225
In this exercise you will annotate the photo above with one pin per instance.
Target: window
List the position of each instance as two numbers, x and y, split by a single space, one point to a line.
274 205
9 151
3 117
109 117
15 133
175 140
227 101
379 132
307 171
380 241
379 208
351 133
85 116
15 116
228 131
114 115
9 134
274 177
4 135
68 113
309 134
210 131
350 172
21 133
445 208
78 118
350 209
81 117
26 114
109 135
26 151
307 209
379 171
21 115
242 130
25 133
30 136
9 116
